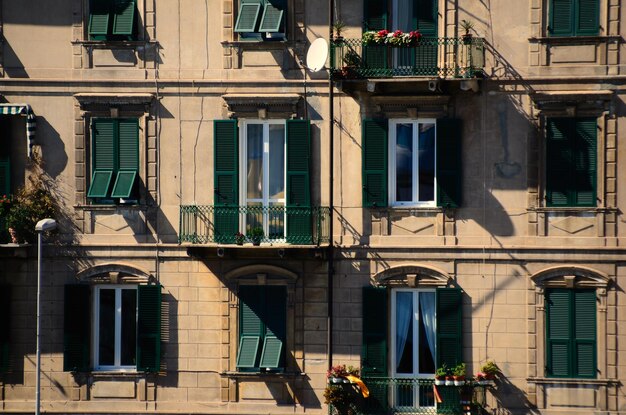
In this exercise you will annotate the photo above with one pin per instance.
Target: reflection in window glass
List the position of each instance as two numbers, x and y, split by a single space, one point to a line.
277 161
426 162
255 161
129 327
404 162
107 327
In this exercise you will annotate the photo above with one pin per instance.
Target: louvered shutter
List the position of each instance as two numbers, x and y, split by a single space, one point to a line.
275 327
585 162
248 16
425 19
584 334
251 304
104 156
374 18
559 178
99 12
449 348
76 328
299 220
128 161
124 18
558 332
273 16
449 163
226 216
149 328
5 327
374 148
562 18
374 349
588 18
5 176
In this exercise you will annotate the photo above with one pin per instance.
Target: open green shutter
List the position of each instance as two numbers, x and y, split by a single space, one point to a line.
449 163
123 186
76 328
128 162
585 162
248 351
273 16
299 220
248 16
558 332
449 327
584 336
561 18
5 327
99 12
100 183
374 148
226 216
559 174
374 349
5 176
149 328
588 15
275 318
124 18
251 305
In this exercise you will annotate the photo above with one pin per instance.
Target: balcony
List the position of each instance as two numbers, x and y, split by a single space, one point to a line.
204 224
409 396
428 57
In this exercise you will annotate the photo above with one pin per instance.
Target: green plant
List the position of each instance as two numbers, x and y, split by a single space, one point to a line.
341 371
459 370
256 232
342 398
29 205
467 25
338 26
352 58
490 369
442 371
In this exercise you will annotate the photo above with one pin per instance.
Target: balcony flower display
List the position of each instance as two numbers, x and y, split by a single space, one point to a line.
344 388
396 38
20 212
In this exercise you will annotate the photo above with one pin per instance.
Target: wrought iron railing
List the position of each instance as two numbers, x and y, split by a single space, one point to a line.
201 224
442 57
408 396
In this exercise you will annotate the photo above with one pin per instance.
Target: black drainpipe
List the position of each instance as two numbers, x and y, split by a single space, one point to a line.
330 257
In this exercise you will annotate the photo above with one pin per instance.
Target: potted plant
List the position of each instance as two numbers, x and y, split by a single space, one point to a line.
458 374
490 370
440 375
240 238
256 235
344 389
338 27
467 26
339 373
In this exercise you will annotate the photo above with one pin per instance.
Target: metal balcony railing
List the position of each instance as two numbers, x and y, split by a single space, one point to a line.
409 396
201 224
442 57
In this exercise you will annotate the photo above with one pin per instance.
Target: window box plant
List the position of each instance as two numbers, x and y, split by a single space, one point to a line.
256 235
458 374
440 375
240 238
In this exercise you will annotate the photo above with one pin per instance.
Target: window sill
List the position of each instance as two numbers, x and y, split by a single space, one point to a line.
111 207
257 375
575 40
571 381
595 210
106 44
260 44
410 210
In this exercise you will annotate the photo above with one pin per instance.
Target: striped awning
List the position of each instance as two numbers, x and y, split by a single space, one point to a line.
31 123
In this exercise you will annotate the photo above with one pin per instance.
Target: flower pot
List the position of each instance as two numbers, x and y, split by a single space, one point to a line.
459 382
256 241
449 382
439 382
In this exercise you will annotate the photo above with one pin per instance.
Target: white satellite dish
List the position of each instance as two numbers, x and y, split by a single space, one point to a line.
317 55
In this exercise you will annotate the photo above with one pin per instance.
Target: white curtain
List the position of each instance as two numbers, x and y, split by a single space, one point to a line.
427 306
404 14
404 313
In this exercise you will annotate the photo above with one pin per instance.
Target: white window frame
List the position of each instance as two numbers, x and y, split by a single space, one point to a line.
243 183
118 327
392 162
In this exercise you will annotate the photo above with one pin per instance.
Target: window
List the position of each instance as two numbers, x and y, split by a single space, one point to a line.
125 332
574 17
412 163
424 333
112 19
272 158
115 160
262 328
571 172
570 333
261 19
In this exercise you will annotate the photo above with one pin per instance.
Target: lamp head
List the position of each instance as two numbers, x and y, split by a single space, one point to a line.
46 225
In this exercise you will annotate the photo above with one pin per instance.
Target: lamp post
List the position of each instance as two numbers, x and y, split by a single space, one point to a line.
41 227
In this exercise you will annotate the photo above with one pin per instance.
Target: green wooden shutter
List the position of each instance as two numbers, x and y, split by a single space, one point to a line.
251 304
100 183
273 16
274 318
558 332
226 216
375 18
588 18
449 163
5 176
449 347
128 157
559 179
5 327
104 155
561 18
76 328
374 349
299 218
585 162
99 12
425 19
149 328
584 335
248 16
375 161
124 18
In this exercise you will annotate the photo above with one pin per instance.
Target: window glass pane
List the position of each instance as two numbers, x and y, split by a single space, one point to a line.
254 216
106 330
404 162
426 162
427 335
254 160
129 327
404 13
404 332
276 221
277 161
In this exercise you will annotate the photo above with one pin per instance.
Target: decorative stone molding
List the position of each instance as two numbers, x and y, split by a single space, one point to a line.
266 270
115 273
573 103
412 276
571 277
266 106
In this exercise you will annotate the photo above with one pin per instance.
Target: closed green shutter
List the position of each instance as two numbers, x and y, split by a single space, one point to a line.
273 15
588 15
124 18
449 327
425 19
5 327
99 12
104 156
374 349
149 328
558 332
449 163
5 177
226 217
584 335
562 18
248 16
128 162
375 175
251 304
585 162
375 18
76 328
299 220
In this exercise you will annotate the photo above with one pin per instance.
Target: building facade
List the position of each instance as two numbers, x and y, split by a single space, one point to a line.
231 223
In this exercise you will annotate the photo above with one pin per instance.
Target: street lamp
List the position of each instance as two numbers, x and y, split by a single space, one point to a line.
41 227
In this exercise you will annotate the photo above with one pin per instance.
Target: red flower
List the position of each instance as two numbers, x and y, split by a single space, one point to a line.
383 33
397 33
